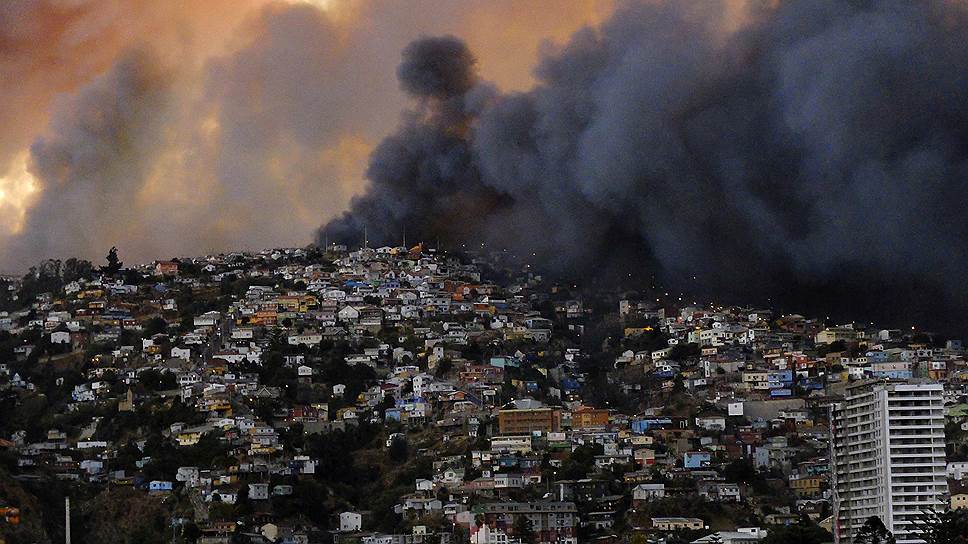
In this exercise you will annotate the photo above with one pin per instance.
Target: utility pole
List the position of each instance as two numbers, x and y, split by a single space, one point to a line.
67 520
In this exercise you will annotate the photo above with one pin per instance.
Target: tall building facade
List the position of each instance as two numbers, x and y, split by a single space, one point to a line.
887 457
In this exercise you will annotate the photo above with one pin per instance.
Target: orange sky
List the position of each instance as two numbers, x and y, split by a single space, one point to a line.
56 55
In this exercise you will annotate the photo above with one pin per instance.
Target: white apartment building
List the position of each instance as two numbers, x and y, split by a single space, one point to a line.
888 456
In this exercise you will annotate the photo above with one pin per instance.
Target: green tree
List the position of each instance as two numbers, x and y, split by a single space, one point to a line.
523 529
76 269
874 532
804 532
398 450
154 326
114 264
950 527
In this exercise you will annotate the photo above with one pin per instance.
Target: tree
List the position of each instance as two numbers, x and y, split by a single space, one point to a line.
523 529
154 326
76 269
874 532
804 532
950 527
398 450
580 462
114 264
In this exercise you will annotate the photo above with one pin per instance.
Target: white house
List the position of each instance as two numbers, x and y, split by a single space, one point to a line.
348 313
181 353
258 492
648 492
350 522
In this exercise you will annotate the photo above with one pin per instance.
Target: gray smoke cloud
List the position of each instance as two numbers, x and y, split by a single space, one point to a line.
184 127
815 154
95 156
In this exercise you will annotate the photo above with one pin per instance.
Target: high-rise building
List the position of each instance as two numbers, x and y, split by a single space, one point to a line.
887 457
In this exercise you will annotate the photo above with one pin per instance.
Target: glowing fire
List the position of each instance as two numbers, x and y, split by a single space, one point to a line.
17 191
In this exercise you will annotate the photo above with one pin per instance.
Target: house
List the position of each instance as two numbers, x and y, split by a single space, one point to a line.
166 268
348 314
222 495
487 535
552 522
350 522
282 490
643 456
711 423
806 486
696 459
743 535
959 501
258 492
159 486
643 493
719 491
677 524
189 475
181 353
208 319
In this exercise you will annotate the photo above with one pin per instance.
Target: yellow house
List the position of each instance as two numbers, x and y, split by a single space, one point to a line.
959 501
808 486
296 303
189 438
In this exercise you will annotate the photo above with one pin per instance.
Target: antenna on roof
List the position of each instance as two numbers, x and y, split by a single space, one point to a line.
366 241
404 236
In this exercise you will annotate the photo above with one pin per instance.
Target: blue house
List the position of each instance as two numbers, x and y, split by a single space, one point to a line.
893 374
780 378
876 356
504 362
696 459
159 485
570 385
811 385
642 425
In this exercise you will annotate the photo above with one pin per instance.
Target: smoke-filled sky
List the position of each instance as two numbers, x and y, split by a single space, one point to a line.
809 152
182 127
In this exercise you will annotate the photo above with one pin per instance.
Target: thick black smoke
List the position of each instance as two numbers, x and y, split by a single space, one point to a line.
814 153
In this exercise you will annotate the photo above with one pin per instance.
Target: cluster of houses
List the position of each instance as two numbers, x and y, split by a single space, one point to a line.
713 407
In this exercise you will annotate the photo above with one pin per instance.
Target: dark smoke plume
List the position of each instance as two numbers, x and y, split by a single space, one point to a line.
814 153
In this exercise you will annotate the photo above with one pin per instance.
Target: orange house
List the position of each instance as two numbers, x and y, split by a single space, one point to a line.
587 417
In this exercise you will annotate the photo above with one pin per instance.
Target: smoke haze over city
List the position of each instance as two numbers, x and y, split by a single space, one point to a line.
808 153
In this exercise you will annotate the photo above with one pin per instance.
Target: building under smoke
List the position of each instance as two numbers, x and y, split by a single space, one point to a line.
812 153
